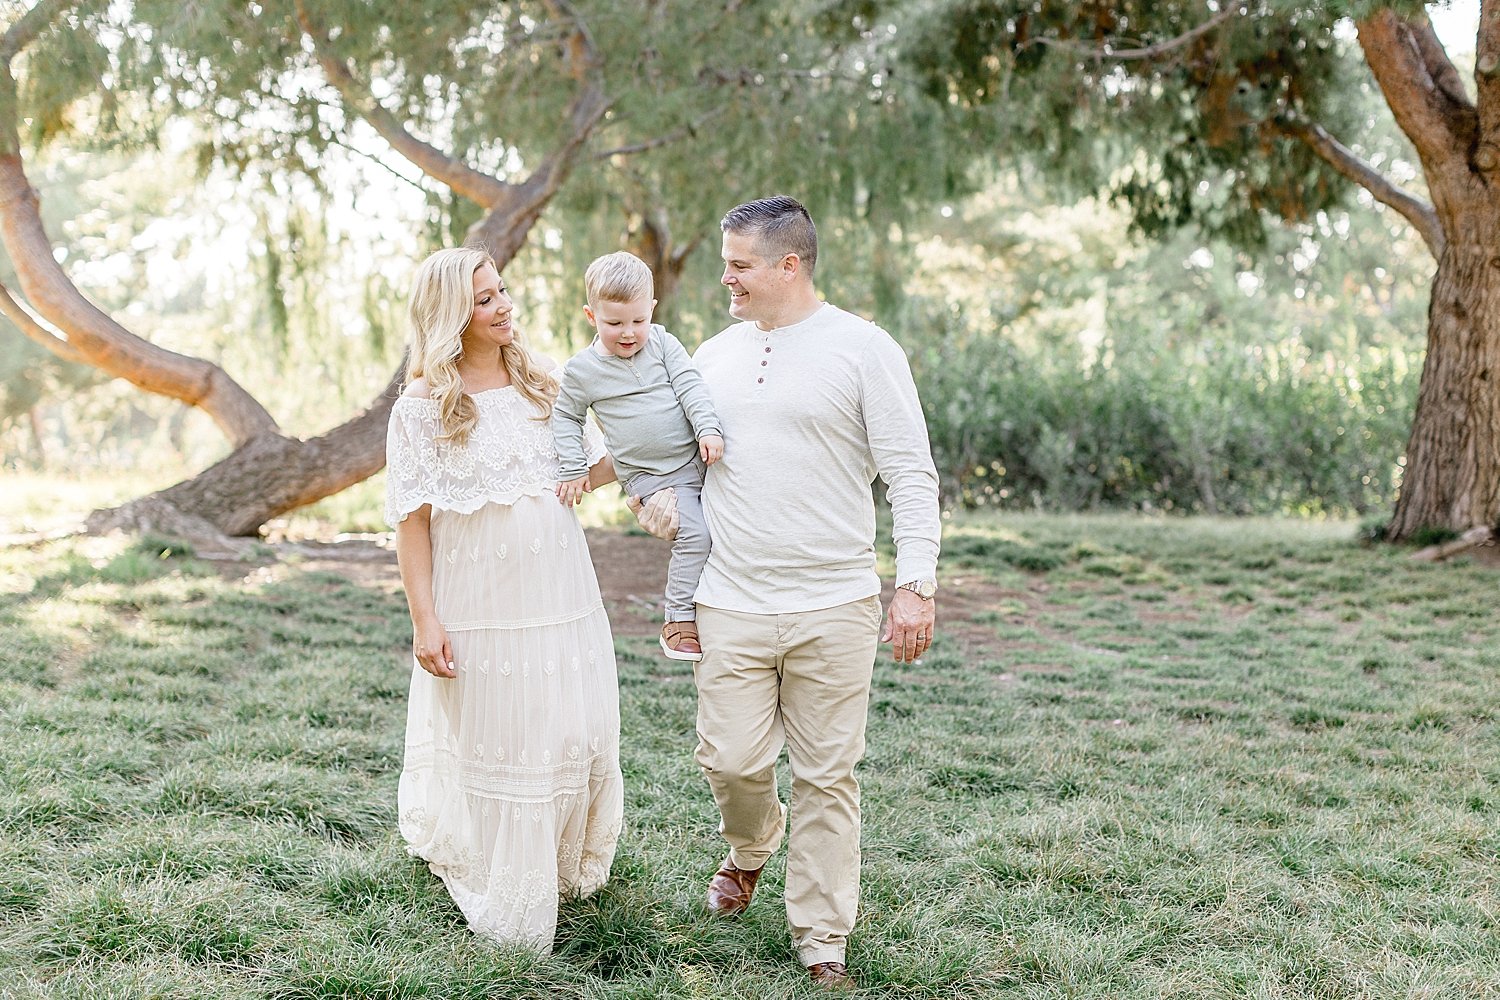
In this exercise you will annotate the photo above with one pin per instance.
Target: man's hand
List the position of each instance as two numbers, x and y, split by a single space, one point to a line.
570 491
658 515
710 448
908 626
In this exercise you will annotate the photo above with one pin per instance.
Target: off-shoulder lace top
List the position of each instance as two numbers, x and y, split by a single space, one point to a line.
509 455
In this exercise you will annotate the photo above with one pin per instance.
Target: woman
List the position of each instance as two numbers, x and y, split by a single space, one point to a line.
511 788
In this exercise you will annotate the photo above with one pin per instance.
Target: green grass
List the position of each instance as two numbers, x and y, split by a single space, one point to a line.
1204 759
52 501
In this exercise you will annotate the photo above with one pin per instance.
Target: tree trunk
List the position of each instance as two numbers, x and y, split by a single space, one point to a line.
1452 478
261 479
38 442
651 240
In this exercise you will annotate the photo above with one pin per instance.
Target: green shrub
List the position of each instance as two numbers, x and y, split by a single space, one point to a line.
1212 429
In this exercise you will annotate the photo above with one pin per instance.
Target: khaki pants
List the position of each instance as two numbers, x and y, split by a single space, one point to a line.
804 680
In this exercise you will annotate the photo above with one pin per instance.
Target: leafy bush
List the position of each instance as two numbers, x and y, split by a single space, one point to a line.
1211 428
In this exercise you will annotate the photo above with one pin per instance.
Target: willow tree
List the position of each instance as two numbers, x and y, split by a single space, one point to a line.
673 109
259 54
1225 114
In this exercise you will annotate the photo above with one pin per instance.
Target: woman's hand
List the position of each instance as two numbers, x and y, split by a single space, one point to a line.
432 649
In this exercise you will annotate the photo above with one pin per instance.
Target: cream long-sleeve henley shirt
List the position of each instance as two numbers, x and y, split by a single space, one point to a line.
811 413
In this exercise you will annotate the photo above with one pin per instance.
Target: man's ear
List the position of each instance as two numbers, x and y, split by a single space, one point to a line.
791 265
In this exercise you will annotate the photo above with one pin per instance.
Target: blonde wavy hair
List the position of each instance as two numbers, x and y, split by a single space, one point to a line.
441 305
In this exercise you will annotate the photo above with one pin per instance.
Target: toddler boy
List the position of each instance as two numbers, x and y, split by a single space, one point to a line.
657 418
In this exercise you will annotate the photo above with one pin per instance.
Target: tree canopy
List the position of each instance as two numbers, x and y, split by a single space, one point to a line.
638 125
491 108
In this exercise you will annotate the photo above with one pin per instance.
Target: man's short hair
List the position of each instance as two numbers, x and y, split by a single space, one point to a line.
618 277
779 225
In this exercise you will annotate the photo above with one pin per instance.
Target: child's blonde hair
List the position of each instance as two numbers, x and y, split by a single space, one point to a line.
618 277
441 305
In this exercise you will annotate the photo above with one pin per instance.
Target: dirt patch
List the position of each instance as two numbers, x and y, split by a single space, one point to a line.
632 572
1487 554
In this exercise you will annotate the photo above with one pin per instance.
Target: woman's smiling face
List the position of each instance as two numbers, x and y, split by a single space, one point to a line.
490 323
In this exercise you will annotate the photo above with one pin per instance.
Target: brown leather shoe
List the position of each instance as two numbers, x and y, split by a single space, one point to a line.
831 975
730 889
679 640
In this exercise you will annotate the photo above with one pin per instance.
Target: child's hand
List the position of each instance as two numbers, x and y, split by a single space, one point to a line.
571 491
711 447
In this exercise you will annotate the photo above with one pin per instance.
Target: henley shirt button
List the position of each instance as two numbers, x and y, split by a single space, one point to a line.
768 350
760 380
764 363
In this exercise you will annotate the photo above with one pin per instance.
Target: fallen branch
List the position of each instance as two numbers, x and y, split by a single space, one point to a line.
1468 540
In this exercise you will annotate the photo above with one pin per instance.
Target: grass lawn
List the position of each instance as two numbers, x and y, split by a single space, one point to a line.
1194 758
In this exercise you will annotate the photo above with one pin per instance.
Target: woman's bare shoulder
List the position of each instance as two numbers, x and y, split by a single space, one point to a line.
417 388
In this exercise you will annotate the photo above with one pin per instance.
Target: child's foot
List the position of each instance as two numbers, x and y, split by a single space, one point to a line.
679 640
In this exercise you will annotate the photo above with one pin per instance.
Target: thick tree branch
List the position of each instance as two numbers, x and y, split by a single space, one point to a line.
262 479
1421 108
1444 74
93 335
511 208
587 108
475 185
1154 51
34 330
1421 215
504 228
98 339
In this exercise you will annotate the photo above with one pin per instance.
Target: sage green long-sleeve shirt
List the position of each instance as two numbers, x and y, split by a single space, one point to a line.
653 408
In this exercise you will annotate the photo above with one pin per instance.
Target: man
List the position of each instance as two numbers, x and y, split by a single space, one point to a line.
814 403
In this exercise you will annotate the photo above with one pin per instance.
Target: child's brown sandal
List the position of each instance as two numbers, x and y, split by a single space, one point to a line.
679 640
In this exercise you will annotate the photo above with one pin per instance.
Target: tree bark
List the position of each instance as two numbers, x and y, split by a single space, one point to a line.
1452 477
652 241
266 477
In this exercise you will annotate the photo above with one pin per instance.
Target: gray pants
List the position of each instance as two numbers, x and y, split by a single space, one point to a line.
690 549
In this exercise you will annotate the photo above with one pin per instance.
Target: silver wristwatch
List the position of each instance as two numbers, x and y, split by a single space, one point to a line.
925 589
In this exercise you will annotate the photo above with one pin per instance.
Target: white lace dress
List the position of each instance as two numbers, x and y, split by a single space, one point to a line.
511 789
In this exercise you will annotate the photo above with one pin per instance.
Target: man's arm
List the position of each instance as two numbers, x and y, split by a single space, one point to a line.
897 433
